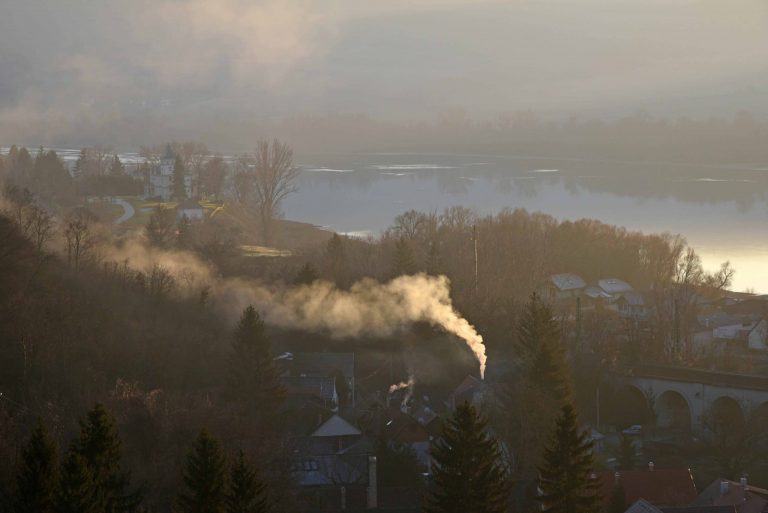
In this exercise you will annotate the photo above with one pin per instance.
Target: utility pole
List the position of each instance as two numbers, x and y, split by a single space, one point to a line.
474 242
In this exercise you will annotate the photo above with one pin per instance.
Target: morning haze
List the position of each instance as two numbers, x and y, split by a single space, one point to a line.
448 256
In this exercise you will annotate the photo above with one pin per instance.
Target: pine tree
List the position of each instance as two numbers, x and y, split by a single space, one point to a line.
335 259
184 239
99 446
116 168
246 492
307 274
204 477
76 492
179 172
467 468
565 477
254 377
542 349
37 481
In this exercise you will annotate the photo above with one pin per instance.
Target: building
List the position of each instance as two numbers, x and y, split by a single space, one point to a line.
317 371
562 286
660 487
723 492
335 468
191 209
159 183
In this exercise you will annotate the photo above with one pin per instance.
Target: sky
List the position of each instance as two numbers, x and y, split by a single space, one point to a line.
106 67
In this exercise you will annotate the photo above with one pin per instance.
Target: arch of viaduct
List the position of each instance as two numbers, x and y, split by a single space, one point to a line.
681 397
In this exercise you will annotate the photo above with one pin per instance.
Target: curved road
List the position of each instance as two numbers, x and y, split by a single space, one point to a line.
128 210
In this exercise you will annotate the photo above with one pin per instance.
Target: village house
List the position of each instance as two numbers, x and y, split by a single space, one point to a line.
660 487
562 286
191 209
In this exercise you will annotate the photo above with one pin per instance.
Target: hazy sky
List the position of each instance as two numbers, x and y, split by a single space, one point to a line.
64 63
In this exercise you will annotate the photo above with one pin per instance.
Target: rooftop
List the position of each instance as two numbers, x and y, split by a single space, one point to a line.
661 487
321 364
567 281
614 285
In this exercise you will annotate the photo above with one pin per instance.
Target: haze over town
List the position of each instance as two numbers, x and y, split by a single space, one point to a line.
426 255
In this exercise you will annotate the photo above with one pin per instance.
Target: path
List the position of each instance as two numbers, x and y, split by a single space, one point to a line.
128 210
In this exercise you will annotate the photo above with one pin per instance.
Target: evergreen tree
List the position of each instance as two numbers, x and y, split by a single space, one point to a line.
76 492
246 492
467 468
99 446
254 377
82 164
542 349
307 274
565 476
335 259
179 172
204 477
116 168
184 238
37 480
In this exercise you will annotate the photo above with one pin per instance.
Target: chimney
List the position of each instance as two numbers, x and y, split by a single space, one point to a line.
650 466
373 501
724 487
743 483
343 498
616 478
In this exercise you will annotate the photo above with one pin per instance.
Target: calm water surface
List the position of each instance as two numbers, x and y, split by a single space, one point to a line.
721 210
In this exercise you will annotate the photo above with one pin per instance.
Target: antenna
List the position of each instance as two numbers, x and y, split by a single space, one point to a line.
474 242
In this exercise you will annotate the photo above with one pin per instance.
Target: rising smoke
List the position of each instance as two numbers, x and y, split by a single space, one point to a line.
368 308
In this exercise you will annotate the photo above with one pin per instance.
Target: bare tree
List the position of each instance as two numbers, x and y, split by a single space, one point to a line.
41 227
80 237
265 179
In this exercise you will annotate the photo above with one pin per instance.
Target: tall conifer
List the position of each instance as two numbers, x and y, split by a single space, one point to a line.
204 477
38 479
246 492
469 475
565 477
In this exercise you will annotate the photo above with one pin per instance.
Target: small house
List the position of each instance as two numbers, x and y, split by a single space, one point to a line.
191 209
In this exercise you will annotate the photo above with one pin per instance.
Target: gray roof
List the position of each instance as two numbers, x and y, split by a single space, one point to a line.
322 365
614 285
567 281
596 292
336 426
633 298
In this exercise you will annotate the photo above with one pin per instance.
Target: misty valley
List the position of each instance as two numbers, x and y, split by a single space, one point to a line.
413 256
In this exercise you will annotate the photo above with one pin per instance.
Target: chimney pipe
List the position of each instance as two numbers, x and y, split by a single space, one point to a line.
616 478
343 498
373 501
743 483
724 487
650 466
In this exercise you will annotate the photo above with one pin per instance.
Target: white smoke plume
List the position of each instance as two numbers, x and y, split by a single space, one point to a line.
404 385
367 308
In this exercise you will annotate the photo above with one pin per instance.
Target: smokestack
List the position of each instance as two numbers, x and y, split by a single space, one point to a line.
373 500
650 466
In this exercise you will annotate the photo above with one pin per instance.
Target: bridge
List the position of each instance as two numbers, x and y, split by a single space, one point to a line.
681 397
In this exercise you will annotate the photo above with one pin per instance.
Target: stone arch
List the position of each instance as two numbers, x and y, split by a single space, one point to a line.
673 411
726 410
631 406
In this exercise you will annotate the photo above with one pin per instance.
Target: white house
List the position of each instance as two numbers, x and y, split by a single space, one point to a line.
191 209
563 286
160 183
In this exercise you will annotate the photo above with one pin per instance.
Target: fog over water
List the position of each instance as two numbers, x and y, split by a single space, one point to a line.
722 211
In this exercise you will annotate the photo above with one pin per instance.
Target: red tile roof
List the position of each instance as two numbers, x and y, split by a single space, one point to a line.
660 487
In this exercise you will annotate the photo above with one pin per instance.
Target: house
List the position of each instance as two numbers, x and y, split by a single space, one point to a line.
401 429
660 487
756 338
631 305
471 390
562 286
316 369
191 209
723 492
335 468
643 506
614 287
160 183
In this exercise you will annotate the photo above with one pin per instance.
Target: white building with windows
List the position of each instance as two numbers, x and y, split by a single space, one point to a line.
160 181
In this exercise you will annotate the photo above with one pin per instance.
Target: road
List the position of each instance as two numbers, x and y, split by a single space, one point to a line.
128 210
